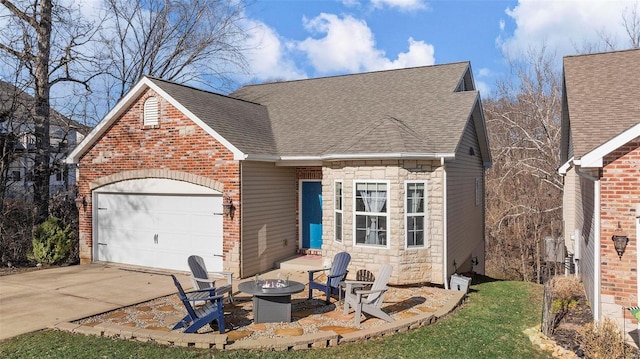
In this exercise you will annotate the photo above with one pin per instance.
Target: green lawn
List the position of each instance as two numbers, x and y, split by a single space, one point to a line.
488 325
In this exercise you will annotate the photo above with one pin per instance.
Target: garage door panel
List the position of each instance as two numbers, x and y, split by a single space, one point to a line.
159 230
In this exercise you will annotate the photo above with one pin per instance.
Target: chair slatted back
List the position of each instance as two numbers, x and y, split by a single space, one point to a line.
380 283
339 268
199 270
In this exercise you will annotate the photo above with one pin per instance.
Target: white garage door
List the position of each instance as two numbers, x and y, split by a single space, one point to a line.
159 229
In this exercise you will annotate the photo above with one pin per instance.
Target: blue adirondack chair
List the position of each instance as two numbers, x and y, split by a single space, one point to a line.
197 317
337 274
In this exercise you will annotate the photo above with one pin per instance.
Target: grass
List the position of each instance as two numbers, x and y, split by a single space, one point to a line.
489 324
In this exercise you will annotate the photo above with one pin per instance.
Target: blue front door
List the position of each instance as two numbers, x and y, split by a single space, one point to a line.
311 214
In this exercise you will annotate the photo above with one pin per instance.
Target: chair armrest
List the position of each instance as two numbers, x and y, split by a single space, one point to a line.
211 282
337 275
318 270
352 284
209 298
361 292
228 276
313 271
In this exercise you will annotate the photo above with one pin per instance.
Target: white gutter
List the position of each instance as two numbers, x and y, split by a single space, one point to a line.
445 258
596 244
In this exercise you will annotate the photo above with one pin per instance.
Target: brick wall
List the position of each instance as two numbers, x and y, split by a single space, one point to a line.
619 197
177 148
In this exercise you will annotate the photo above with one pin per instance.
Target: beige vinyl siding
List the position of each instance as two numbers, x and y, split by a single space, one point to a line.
585 225
465 219
569 208
268 216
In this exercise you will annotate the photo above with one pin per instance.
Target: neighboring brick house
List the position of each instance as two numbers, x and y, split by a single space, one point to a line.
400 153
600 152
17 125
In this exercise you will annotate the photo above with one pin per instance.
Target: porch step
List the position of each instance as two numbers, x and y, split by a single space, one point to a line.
301 263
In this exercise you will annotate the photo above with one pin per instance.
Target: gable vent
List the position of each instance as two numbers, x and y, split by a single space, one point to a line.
151 111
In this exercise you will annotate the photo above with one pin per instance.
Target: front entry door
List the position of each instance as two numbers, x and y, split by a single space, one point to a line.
311 204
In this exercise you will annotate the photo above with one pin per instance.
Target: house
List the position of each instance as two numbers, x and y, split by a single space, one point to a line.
16 123
600 156
387 165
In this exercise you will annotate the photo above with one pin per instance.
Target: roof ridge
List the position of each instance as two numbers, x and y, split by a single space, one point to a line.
358 74
602 53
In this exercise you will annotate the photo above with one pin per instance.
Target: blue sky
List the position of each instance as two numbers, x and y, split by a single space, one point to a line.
293 39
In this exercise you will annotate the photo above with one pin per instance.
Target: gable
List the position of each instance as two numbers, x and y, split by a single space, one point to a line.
601 101
125 105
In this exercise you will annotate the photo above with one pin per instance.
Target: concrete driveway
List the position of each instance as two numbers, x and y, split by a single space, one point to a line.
34 300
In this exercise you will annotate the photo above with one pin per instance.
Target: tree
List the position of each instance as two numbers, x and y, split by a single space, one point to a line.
524 193
50 41
178 40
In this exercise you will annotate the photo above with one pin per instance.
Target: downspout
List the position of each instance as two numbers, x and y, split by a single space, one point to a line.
445 258
596 235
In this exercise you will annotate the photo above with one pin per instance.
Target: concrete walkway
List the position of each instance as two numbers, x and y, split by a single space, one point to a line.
35 300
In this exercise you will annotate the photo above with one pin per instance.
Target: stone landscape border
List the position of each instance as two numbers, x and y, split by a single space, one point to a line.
322 339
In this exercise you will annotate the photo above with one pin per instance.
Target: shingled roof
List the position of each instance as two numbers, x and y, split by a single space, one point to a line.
602 99
415 110
244 124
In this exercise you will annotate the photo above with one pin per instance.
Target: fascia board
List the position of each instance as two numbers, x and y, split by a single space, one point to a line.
562 170
370 156
594 158
107 120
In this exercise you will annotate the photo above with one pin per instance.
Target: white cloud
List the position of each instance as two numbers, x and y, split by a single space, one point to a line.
400 4
349 45
565 26
484 88
267 56
484 75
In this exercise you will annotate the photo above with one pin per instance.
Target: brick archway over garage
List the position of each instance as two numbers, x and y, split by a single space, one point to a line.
159 173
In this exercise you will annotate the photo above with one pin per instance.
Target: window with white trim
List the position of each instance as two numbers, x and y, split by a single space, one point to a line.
151 112
415 213
371 213
337 200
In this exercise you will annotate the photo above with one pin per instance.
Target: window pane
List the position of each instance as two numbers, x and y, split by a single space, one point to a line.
415 231
338 192
371 230
339 226
415 198
371 197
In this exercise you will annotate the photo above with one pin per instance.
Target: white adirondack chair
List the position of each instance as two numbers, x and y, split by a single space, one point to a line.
201 279
368 301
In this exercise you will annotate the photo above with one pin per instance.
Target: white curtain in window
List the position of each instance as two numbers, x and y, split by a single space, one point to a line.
415 202
373 202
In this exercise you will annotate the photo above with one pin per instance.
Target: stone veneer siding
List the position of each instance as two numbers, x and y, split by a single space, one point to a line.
619 198
410 265
176 149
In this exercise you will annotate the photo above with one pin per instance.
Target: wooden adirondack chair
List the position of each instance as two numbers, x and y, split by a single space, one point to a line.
201 280
197 317
337 273
368 301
